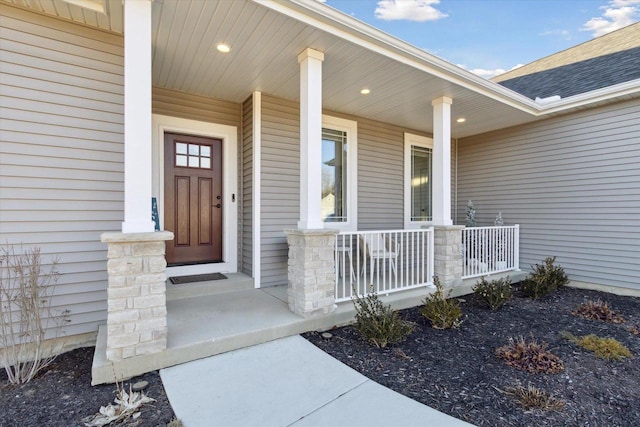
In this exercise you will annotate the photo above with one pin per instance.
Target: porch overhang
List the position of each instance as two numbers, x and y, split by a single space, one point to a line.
266 36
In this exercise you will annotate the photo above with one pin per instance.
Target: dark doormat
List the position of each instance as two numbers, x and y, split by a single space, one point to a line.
179 280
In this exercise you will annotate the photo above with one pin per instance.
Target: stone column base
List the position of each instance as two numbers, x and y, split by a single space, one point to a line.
136 296
312 274
447 242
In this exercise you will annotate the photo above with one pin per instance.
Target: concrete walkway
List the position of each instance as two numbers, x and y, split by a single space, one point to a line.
287 382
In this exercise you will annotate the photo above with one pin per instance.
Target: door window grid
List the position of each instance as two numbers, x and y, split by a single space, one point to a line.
193 156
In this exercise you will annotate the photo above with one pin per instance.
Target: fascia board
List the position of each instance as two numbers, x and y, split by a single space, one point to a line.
599 95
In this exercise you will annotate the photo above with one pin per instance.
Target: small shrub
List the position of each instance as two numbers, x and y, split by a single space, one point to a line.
634 329
545 279
495 293
534 398
444 313
530 356
597 310
26 288
377 323
604 348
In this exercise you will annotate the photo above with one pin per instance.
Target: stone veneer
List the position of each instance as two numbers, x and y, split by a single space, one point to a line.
312 275
447 242
136 296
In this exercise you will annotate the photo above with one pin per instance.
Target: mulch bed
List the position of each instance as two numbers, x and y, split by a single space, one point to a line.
62 395
456 371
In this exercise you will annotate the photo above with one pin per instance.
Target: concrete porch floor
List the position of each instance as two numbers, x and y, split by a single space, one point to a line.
209 318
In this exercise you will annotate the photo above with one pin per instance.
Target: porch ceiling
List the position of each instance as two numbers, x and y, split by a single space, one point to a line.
265 43
264 49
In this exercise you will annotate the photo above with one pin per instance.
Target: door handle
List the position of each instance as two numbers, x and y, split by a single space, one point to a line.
217 206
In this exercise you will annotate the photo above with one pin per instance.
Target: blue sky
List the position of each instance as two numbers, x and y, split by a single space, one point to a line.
492 36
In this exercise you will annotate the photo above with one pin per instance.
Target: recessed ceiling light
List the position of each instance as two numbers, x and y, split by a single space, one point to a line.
461 120
365 91
224 48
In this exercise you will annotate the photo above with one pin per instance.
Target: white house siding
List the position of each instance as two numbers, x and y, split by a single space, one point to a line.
246 181
573 185
61 134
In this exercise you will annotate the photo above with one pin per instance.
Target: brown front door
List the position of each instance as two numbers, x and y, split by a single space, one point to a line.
193 198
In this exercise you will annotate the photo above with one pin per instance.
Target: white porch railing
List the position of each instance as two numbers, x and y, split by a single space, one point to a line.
488 250
385 261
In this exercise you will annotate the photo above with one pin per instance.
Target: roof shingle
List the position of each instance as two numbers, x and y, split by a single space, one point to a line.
579 77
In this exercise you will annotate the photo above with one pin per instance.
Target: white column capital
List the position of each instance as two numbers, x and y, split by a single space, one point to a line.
309 53
442 100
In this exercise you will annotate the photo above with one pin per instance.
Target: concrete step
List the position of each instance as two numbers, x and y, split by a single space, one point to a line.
213 318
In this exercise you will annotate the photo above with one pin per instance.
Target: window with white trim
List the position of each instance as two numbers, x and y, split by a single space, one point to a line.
339 173
418 167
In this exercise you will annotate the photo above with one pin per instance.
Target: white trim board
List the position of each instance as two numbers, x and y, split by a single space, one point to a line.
229 137
257 182
351 128
419 141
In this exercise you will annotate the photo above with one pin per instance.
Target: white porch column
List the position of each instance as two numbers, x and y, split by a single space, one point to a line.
310 139
442 161
137 117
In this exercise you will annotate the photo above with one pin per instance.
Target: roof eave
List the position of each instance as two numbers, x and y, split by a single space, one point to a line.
326 18
607 94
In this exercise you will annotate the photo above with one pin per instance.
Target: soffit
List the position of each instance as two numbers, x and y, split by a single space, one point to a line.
110 20
265 45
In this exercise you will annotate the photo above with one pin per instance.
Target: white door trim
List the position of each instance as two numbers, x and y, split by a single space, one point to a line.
229 137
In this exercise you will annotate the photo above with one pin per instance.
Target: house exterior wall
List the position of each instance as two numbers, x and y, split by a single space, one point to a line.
573 185
380 179
280 185
193 107
61 152
380 176
62 145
